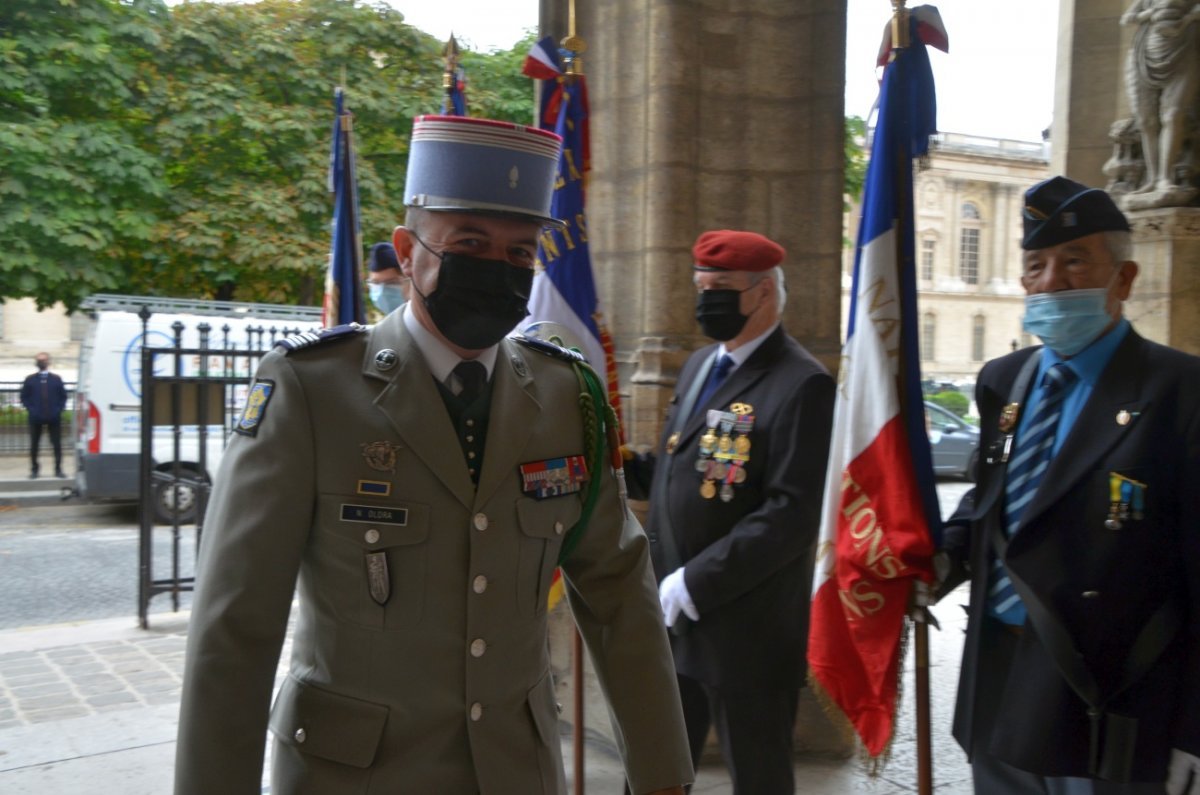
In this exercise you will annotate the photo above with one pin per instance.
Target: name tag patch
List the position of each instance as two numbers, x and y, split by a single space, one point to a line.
554 477
374 514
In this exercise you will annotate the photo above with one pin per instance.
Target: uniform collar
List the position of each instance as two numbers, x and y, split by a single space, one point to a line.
744 352
1089 363
441 359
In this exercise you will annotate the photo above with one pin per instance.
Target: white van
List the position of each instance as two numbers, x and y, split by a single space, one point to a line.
108 397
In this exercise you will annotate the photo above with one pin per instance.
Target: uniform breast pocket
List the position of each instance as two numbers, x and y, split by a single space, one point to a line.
370 559
544 525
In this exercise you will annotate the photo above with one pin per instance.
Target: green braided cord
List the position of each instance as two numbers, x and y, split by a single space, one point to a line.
593 404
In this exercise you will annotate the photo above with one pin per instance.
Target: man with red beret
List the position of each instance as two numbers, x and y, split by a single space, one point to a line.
734 511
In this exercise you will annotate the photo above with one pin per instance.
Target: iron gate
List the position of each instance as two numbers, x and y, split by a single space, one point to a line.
191 398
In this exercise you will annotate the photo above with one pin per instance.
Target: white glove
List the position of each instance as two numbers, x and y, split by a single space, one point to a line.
673 596
1182 767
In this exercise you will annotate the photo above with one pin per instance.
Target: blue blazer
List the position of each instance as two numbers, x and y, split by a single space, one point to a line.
1101 585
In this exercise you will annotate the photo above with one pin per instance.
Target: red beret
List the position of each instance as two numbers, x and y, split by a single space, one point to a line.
731 250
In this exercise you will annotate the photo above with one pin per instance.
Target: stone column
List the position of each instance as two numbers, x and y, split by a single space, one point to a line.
1000 267
1088 89
1165 303
719 114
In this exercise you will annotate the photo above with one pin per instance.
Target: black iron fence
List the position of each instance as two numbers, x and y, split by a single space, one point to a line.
14 420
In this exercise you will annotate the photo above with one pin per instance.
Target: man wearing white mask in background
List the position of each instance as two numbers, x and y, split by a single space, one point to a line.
1082 534
386 284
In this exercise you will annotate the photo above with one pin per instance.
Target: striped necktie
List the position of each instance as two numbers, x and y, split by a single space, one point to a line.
716 377
1033 454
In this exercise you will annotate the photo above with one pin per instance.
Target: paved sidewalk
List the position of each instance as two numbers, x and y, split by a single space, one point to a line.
92 707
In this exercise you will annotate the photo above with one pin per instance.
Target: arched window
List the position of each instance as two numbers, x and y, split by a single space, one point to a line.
968 244
977 338
928 330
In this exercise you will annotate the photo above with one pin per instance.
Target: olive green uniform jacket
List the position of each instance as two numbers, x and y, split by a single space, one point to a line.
445 687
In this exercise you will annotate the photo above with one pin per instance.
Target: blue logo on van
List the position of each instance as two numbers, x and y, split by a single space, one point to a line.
131 363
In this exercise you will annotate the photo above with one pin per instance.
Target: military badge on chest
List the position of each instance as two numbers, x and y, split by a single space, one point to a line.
725 451
1127 500
380 456
554 477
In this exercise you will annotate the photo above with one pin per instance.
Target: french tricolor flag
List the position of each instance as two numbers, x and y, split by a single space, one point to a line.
880 506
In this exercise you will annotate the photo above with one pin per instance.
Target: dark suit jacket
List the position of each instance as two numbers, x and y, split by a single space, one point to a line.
1102 585
31 397
749 560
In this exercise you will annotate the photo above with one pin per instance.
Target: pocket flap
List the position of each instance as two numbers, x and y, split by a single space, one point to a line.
550 518
328 725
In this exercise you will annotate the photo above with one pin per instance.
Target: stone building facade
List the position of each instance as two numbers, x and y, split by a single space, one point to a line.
968 251
25 331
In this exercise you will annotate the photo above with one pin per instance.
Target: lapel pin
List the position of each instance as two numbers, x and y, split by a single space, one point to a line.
1123 417
518 365
386 359
1008 417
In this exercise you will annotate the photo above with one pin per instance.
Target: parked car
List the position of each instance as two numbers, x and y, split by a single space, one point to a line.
954 441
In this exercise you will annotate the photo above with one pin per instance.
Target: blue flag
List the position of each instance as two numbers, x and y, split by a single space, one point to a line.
455 101
343 283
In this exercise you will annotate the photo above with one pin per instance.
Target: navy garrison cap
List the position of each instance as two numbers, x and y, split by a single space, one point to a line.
382 257
468 165
1058 210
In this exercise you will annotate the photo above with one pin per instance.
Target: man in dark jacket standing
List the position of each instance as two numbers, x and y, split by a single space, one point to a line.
734 511
44 398
1082 536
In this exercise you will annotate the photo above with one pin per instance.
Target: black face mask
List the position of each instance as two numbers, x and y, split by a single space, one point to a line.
719 314
477 302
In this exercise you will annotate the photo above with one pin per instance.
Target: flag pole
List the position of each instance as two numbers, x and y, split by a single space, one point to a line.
574 66
919 614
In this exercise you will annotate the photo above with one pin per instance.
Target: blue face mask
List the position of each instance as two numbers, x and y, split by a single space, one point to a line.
387 297
1067 321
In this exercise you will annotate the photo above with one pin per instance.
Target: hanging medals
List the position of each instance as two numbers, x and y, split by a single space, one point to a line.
1126 500
724 450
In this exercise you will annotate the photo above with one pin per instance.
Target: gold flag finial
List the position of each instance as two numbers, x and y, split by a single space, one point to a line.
573 45
450 53
899 27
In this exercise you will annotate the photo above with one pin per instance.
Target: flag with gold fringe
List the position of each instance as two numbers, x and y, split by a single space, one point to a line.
880 509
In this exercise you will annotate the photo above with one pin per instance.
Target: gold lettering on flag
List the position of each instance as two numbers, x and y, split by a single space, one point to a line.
870 551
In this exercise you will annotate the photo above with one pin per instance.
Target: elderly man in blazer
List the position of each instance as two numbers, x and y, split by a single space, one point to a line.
734 501
419 481
1081 670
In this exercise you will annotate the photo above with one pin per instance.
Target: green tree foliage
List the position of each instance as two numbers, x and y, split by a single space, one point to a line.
496 89
184 151
855 157
952 400
245 130
79 182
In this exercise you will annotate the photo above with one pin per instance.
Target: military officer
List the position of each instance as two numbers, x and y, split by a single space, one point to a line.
1082 535
418 482
734 502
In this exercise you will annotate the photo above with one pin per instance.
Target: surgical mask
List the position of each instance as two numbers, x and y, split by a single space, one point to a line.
386 297
477 302
719 314
1069 320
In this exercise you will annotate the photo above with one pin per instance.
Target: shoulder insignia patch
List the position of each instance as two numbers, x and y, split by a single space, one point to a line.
549 349
256 408
307 339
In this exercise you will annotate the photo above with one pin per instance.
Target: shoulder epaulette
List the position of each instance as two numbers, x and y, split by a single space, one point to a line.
307 339
550 349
